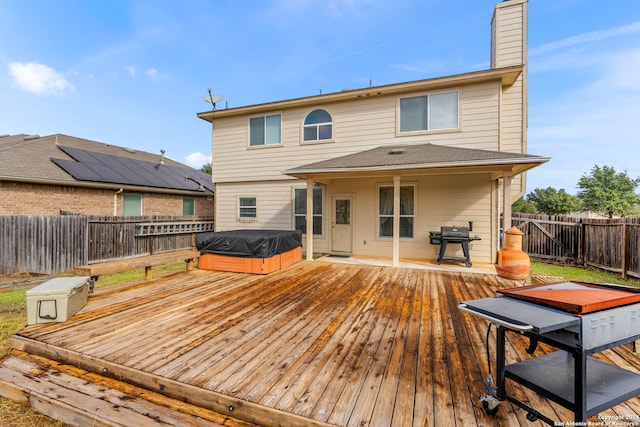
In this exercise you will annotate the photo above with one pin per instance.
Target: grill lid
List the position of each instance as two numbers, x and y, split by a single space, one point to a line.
575 297
462 232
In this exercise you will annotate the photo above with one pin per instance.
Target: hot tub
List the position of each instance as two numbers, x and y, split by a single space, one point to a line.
249 251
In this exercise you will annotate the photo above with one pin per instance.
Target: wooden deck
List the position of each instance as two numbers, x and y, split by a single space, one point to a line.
316 344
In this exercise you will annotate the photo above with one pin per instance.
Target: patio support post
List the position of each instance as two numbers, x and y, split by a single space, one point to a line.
396 220
506 202
309 244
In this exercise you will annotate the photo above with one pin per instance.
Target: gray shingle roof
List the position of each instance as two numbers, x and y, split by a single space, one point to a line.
398 157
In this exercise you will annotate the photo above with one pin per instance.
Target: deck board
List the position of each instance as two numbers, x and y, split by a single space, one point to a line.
318 343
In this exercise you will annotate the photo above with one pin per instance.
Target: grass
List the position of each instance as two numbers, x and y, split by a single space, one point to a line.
579 274
13 317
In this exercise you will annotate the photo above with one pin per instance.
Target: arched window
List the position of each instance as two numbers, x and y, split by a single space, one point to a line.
318 126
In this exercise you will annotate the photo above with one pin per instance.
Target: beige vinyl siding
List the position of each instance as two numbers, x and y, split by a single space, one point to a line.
358 125
273 205
440 200
455 200
509 47
508 32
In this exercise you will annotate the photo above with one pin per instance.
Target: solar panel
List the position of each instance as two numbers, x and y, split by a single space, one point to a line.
81 156
102 167
78 170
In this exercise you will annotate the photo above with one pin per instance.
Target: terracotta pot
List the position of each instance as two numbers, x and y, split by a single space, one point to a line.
513 239
513 263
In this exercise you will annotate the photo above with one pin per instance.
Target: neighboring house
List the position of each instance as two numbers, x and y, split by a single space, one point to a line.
51 174
381 167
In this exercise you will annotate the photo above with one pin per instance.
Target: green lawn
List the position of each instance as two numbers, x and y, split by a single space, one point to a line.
579 274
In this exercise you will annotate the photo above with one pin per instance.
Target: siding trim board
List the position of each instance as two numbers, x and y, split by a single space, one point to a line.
506 75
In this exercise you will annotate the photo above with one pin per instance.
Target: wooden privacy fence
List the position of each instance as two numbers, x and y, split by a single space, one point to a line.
609 244
54 244
42 244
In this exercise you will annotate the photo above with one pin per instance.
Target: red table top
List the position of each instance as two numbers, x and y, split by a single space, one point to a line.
574 297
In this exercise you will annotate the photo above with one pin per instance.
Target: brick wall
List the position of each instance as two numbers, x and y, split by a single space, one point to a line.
37 199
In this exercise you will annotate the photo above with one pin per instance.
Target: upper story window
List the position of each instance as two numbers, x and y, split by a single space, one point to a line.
318 126
265 130
434 111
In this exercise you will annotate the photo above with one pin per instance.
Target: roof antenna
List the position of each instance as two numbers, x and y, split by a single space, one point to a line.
162 156
212 99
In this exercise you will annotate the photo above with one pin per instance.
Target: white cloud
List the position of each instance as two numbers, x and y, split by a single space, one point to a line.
152 73
39 78
197 160
131 70
586 37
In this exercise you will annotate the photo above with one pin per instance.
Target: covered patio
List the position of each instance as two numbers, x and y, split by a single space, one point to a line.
406 163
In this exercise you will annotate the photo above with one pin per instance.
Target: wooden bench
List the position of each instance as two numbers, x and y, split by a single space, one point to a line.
147 261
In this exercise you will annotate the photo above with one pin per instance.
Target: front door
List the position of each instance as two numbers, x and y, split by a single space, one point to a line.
341 223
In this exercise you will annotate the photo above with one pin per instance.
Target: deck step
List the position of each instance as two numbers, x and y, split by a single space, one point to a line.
80 398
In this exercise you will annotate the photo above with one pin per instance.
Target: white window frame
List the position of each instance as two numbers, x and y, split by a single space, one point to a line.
317 128
265 143
315 215
429 128
379 215
241 206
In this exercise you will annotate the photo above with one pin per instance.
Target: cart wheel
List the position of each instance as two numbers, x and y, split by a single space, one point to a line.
489 411
532 417
468 264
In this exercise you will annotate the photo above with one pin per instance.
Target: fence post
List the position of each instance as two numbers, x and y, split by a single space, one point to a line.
581 240
623 254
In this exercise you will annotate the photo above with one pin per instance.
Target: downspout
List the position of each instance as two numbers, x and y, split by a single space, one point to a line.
115 201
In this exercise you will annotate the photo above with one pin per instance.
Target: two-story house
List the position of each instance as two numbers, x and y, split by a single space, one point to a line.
372 171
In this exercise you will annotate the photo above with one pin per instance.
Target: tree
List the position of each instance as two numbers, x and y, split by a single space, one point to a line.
553 202
206 168
608 192
523 206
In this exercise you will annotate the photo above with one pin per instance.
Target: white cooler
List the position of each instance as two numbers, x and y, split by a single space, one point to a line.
56 300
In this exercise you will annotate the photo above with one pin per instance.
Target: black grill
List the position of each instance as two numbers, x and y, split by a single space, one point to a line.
453 235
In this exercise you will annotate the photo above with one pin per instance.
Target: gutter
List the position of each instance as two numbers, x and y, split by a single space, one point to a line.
506 75
104 186
537 160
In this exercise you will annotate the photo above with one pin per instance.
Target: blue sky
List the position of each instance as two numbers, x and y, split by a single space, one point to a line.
134 73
